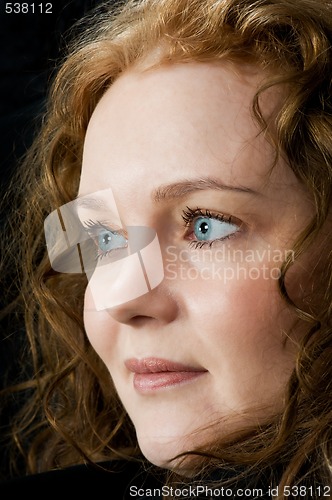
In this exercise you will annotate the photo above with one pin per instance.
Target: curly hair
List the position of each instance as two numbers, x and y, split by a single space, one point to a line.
70 410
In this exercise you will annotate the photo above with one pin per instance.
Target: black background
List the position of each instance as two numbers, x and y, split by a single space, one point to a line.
31 48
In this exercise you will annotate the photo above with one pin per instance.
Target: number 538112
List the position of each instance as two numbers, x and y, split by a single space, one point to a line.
28 8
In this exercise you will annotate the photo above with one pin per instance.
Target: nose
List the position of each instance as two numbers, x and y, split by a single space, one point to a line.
158 305
132 288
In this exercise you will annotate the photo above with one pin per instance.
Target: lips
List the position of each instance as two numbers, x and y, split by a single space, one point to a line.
151 374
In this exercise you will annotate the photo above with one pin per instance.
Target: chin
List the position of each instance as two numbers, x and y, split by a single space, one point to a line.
162 452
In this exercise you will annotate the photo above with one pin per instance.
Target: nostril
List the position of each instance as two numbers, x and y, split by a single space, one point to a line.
138 321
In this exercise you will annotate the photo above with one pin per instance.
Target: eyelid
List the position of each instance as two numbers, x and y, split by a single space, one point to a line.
93 226
189 215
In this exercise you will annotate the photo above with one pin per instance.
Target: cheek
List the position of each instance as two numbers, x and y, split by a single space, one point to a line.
239 296
240 316
100 329
240 339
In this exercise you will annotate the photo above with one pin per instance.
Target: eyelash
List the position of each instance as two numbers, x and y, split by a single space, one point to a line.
190 215
88 224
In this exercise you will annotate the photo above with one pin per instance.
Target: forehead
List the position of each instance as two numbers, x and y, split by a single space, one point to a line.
178 119
183 91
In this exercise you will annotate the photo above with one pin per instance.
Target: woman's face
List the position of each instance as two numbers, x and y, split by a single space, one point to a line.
181 153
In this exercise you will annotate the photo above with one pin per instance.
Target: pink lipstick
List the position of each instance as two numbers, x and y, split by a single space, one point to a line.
151 374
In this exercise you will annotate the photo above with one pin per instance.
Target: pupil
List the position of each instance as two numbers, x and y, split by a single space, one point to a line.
204 227
106 239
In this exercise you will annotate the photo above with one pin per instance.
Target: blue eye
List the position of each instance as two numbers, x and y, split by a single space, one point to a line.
109 240
205 227
106 240
210 229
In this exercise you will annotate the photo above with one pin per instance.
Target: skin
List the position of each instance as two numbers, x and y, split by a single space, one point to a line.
167 125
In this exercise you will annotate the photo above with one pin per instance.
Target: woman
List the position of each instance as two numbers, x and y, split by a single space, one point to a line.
190 142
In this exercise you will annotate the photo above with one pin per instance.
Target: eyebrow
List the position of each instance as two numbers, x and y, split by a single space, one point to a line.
183 188
178 189
90 202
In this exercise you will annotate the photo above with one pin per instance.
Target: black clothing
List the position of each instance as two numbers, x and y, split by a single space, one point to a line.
125 481
81 481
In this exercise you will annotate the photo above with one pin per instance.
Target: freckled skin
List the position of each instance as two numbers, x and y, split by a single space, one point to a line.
163 126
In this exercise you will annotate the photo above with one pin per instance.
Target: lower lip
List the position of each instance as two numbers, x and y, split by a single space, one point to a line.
146 382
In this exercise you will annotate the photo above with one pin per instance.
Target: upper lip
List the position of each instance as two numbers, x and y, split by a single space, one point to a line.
158 365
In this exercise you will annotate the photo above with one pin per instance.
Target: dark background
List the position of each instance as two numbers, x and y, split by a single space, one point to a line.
31 48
